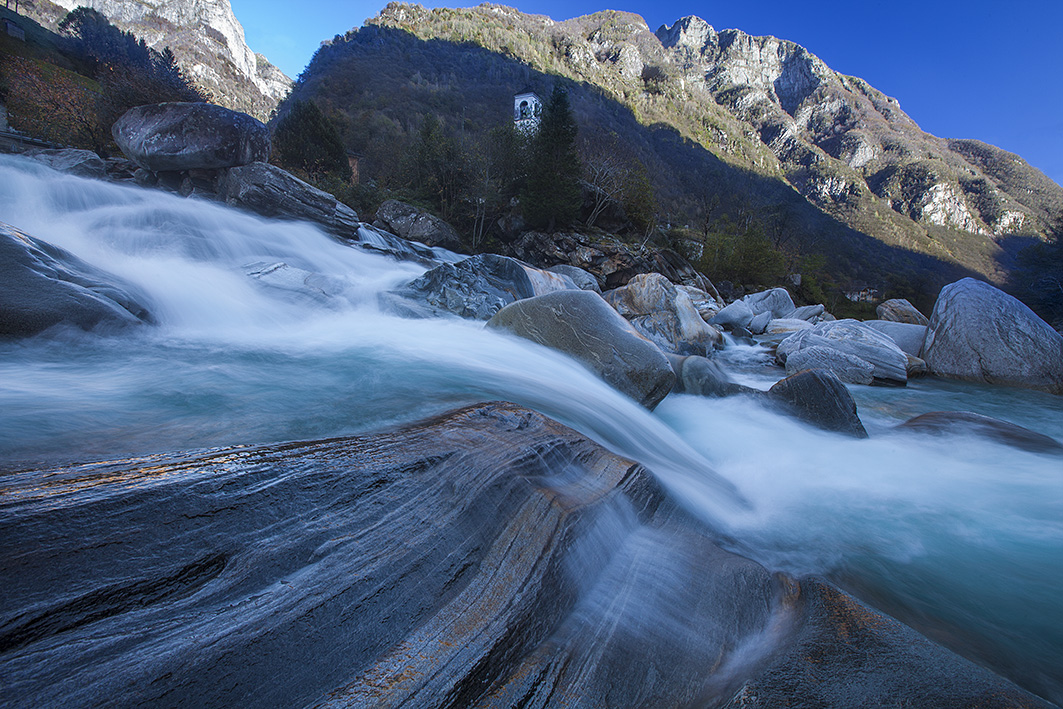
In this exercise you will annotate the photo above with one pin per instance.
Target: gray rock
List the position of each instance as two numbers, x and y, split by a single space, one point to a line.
979 333
853 338
908 336
42 286
582 325
778 329
775 300
372 239
476 287
809 313
759 323
900 310
845 367
702 376
83 163
584 280
664 315
189 136
269 191
704 301
967 422
917 367
737 314
416 224
818 397
305 285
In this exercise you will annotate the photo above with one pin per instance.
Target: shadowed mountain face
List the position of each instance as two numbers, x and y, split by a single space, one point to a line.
204 35
768 118
490 557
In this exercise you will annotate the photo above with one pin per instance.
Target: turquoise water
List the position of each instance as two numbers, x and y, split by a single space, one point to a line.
960 537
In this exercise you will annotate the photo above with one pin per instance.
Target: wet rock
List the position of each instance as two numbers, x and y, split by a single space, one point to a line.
704 301
737 314
759 323
702 376
966 422
305 285
584 280
900 310
777 301
270 191
664 315
83 163
809 313
372 239
416 224
845 367
42 286
582 325
818 397
476 287
979 333
908 336
475 559
189 136
856 339
916 367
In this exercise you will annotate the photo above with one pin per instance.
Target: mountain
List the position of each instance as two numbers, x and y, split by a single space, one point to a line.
204 35
725 124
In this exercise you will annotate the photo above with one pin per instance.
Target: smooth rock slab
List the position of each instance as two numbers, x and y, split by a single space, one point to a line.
42 286
582 325
980 333
190 136
488 557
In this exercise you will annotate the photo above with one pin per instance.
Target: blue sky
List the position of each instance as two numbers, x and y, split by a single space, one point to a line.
961 69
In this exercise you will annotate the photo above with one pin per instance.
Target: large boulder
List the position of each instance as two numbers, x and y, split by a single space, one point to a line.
737 314
83 163
270 191
775 300
703 377
370 238
664 314
818 397
979 333
167 137
489 557
970 423
416 224
856 339
474 288
584 280
846 367
582 325
908 336
42 285
900 310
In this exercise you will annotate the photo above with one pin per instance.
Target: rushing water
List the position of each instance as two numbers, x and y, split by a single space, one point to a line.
961 537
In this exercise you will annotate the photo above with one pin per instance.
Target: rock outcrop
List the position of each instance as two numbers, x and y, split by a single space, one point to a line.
664 315
979 333
170 137
529 566
416 224
582 325
42 286
900 310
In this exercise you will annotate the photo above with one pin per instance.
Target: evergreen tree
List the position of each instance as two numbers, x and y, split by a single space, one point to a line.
437 169
552 195
307 141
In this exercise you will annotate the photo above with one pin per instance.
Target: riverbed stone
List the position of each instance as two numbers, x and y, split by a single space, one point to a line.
190 136
584 280
416 224
846 367
736 314
582 325
818 397
269 191
900 310
759 323
980 333
856 339
664 315
702 376
908 336
970 423
777 301
83 163
43 286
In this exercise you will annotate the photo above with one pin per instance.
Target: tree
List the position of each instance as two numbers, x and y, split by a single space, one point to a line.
552 194
307 141
437 168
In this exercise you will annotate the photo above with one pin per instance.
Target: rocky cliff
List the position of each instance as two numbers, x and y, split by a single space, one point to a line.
206 38
766 107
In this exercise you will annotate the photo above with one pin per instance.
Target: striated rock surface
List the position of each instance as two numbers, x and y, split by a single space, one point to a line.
269 191
855 339
42 286
703 377
776 301
663 314
190 136
846 367
908 336
416 224
582 325
979 333
900 310
529 566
